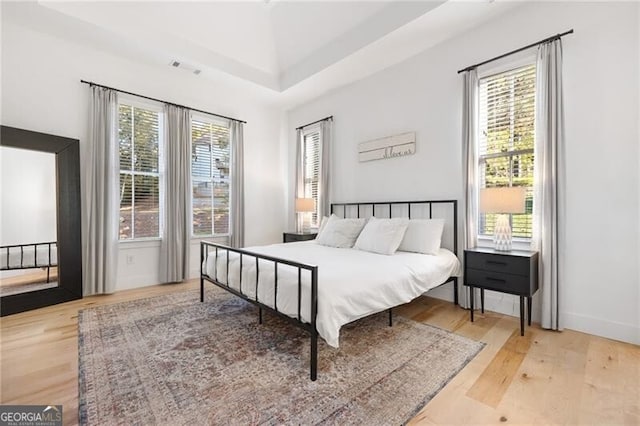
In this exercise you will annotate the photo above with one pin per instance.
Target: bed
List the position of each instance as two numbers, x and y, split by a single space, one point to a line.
320 288
29 256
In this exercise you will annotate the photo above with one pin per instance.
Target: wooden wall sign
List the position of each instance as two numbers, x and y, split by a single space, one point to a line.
389 147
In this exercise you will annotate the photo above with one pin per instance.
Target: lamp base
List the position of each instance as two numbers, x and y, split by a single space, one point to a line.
306 223
502 234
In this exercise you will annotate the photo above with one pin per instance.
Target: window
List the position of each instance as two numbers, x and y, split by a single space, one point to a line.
210 179
311 169
506 140
139 136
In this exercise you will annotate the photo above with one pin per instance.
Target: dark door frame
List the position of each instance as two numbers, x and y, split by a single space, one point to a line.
67 152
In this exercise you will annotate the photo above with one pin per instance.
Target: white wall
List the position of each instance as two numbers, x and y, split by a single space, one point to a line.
41 91
27 196
599 254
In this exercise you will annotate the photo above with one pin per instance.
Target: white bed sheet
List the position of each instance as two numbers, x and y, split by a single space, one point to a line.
352 283
28 257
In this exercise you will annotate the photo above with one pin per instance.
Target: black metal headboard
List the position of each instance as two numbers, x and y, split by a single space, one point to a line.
444 209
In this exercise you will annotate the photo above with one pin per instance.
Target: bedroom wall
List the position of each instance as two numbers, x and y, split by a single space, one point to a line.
41 91
28 202
599 252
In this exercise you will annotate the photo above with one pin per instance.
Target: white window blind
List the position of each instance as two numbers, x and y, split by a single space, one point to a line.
139 148
311 169
506 140
210 155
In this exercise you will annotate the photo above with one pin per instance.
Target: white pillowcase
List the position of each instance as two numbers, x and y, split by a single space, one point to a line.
323 223
423 236
341 233
382 236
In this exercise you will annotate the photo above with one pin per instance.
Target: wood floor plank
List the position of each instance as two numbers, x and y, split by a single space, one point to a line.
496 378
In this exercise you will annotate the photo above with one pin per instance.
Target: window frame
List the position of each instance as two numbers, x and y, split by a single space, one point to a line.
223 123
316 128
158 108
525 59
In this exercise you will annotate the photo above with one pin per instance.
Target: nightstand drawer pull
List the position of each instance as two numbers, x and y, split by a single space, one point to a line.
498 280
495 262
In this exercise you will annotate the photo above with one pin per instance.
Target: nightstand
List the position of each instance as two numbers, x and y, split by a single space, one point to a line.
290 237
513 272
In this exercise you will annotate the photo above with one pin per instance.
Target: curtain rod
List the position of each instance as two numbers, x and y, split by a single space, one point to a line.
314 122
91 83
557 36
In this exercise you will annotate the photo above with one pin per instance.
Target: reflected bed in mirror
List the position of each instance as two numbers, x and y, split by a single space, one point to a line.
28 241
40 253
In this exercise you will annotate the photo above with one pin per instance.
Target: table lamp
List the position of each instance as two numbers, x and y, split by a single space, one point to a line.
504 201
303 207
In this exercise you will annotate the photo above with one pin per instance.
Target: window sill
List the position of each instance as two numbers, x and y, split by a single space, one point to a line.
209 237
139 243
518 243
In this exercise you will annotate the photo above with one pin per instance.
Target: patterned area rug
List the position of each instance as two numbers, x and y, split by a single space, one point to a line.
174 360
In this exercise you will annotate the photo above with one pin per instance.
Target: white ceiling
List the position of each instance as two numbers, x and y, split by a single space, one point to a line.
294 49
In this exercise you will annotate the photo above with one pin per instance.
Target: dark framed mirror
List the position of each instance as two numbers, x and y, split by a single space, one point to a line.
64 253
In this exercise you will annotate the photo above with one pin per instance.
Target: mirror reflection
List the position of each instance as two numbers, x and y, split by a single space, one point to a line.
28 237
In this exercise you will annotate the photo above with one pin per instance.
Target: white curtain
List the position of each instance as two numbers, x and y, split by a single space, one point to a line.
176 235
237 184
548 179
101 201
324 193
469 166
299 184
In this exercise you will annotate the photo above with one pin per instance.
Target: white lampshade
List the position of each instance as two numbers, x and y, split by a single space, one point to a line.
304 205
503 200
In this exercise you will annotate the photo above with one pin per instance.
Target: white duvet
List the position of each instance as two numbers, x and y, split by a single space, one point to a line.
351 283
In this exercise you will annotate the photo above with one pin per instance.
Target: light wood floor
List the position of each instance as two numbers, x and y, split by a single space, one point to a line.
541 378
32 276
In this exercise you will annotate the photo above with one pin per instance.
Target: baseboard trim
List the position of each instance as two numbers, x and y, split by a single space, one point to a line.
508 304
602 327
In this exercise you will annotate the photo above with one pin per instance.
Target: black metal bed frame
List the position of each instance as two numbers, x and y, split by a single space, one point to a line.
35 265
207 247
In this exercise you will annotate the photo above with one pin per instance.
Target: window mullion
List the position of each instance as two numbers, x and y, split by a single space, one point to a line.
133 176
211 180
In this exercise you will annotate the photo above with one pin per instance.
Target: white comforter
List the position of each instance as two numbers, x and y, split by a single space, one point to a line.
351 283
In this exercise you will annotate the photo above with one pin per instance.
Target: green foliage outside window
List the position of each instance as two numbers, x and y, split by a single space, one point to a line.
506 140
139 149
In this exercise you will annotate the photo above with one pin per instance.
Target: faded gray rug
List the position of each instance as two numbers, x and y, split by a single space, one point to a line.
173 360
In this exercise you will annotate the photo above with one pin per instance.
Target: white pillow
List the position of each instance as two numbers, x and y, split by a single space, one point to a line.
423 236
341 233
323 223
382 235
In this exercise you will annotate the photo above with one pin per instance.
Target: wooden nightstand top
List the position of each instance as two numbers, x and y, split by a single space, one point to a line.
489 250
300 234
292 237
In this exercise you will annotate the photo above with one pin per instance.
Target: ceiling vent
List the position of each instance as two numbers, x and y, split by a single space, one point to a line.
186 67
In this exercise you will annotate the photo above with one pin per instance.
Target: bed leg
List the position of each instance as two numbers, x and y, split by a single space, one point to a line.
390 317
48 273
201 289
259 315
314 356
455 290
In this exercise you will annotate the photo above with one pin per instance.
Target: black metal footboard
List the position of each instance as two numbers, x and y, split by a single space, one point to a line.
213 249
5 252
